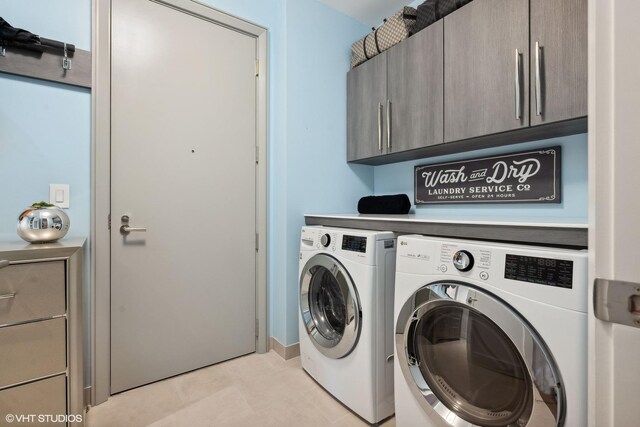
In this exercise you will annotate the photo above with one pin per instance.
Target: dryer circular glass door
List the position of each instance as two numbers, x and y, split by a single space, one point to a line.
329 306
471 360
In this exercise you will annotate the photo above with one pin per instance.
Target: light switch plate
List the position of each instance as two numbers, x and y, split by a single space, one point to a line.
59 195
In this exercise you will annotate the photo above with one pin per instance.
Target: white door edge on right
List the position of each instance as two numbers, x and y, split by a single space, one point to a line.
614 205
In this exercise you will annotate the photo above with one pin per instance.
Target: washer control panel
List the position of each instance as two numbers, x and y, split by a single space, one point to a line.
318 239
354 243
463 260
325 240
361 246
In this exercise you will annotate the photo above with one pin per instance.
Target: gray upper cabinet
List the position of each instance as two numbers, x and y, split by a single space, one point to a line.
415 89
395 100
366 98
558 60
494 72
486 63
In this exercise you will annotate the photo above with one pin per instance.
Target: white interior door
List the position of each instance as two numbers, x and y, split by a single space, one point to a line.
183 131
614 231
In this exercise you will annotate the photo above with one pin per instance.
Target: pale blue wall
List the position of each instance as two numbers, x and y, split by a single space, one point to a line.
318 177
45 128
398 178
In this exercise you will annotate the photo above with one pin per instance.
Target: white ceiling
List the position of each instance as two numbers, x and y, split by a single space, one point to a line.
369 12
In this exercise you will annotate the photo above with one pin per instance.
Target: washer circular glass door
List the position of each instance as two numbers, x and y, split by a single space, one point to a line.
470 358
329 306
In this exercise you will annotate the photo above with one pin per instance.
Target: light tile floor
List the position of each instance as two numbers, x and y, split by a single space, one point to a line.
254 390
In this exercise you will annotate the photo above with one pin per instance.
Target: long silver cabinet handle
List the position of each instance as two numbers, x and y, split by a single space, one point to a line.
380 126
388 125
517 86
4 263
8 296
538 82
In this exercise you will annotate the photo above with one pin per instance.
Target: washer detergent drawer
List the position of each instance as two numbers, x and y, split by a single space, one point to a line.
32 291
32 350
44 397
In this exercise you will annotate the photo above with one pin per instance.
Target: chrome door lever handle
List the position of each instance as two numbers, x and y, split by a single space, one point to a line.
125 229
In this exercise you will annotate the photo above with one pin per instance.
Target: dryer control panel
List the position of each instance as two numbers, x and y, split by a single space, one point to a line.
543 271
550 275
465 259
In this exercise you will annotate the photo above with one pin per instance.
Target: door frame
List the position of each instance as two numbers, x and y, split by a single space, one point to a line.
611 138
100 305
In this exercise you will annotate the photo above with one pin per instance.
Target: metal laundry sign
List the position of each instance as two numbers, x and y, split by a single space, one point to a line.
523 177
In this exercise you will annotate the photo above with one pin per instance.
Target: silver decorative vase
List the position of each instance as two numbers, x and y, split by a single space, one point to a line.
43 224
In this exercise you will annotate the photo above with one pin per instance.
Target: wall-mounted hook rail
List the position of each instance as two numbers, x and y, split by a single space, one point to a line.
27 54
66 62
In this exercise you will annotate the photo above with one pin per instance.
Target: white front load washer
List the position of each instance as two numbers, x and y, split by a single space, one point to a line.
489 334
346 316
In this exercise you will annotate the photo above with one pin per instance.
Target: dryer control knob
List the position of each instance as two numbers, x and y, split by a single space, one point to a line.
325 240
463 260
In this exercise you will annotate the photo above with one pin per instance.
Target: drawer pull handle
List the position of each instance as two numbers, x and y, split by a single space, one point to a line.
4 263
8 296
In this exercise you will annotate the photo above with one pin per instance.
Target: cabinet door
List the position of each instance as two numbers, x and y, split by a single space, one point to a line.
486 83
415 87
366 96
559 65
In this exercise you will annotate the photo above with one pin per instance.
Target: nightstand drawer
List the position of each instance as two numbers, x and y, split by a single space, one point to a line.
32 291
45 397
32 350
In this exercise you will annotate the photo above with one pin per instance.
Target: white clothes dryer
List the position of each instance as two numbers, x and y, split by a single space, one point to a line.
489 334
346 316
